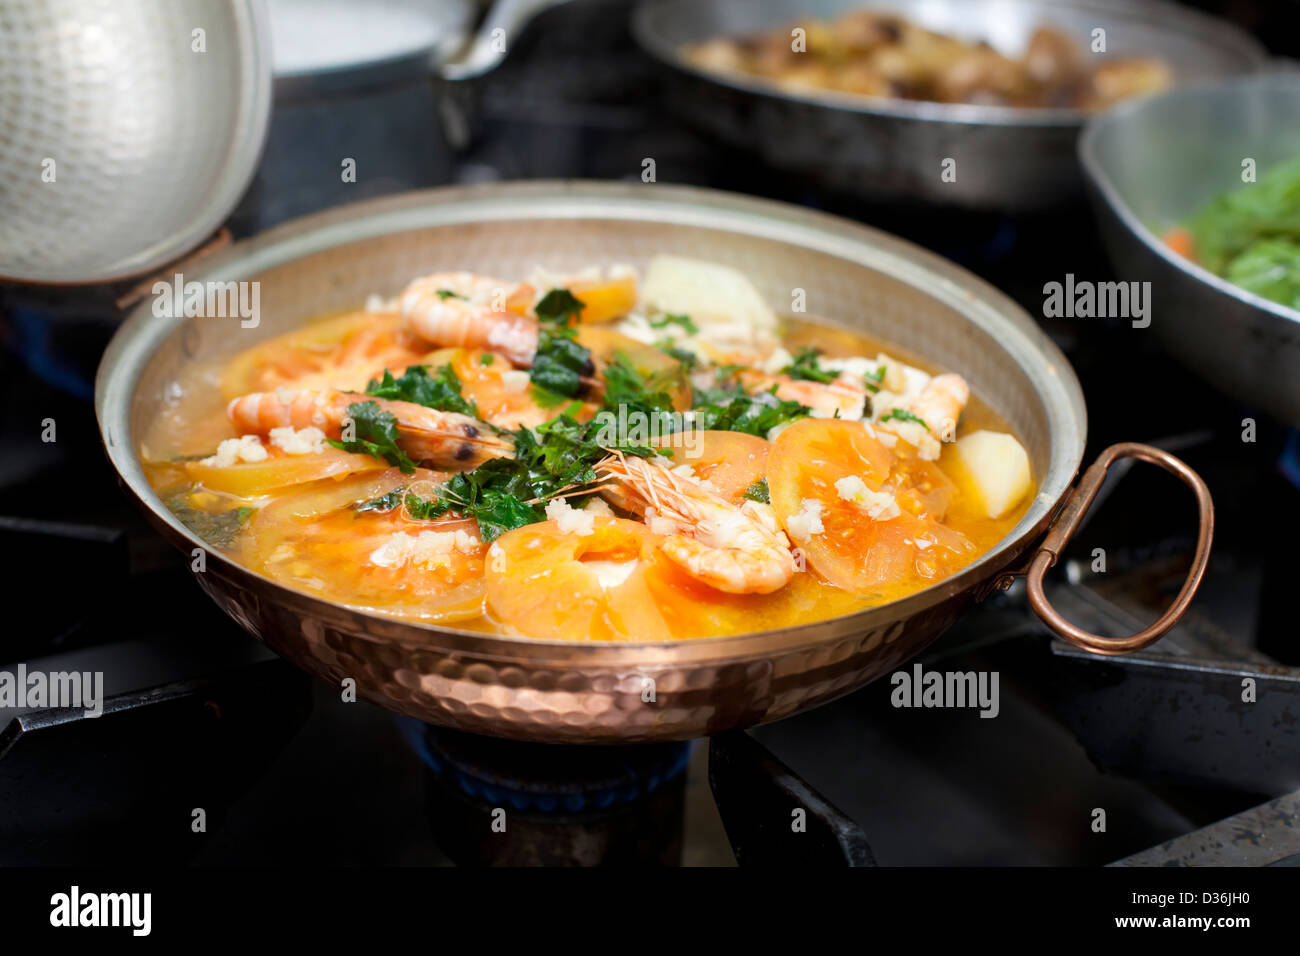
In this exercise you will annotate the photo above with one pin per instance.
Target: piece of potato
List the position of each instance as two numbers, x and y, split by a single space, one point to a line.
994 467
710 294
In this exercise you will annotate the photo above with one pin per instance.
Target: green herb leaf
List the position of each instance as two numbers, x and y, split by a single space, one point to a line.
560 364
672 318
628 388
731 409
445 294
557 457
758 492
441 390
872 380
687 358
726 372
383 503
220 529
806 366
559 307
376 434
506 493
903 415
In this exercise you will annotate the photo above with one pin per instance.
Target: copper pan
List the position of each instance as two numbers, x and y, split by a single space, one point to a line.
599 693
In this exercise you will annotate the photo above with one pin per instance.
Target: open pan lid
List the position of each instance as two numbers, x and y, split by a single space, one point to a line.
128 131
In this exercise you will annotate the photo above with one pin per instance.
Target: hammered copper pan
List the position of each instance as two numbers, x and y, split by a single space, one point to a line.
600 693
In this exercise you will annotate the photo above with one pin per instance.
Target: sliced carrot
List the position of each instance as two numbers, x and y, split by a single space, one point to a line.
605 299
1181 241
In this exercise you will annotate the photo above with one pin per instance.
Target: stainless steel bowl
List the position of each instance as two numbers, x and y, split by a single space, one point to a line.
1006 159
1151 164
582 691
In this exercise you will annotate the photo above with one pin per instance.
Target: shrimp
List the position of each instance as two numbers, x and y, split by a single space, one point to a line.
842 398
446 439
940 403
470 310
739 550
930 417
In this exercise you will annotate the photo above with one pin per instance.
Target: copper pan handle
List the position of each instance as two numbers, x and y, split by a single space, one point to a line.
1068 521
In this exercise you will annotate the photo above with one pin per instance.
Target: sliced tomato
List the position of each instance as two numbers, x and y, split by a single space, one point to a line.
731 461
318 542
548 583
864 555
928 492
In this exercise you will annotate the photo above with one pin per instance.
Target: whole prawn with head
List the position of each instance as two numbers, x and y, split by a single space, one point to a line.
739 550
469 310
446 439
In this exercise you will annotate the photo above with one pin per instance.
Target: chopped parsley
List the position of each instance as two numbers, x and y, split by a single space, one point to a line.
217 528
560 364
486 358
684 356
873 380
559 307
733 410
383 503
807 366
446 294
673 318
560 456
626 387
758 492
376 434
507 493
724 373
903 415
441 390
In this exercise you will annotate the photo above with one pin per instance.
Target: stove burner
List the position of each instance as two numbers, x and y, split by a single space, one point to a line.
544 778
499 802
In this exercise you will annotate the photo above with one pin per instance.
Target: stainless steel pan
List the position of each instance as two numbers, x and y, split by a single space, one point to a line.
580 691
1006 159
1151 164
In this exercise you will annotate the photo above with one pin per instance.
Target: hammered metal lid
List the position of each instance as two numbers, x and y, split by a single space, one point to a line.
129 129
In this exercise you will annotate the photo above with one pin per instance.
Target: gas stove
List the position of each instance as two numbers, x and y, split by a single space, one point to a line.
196 714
